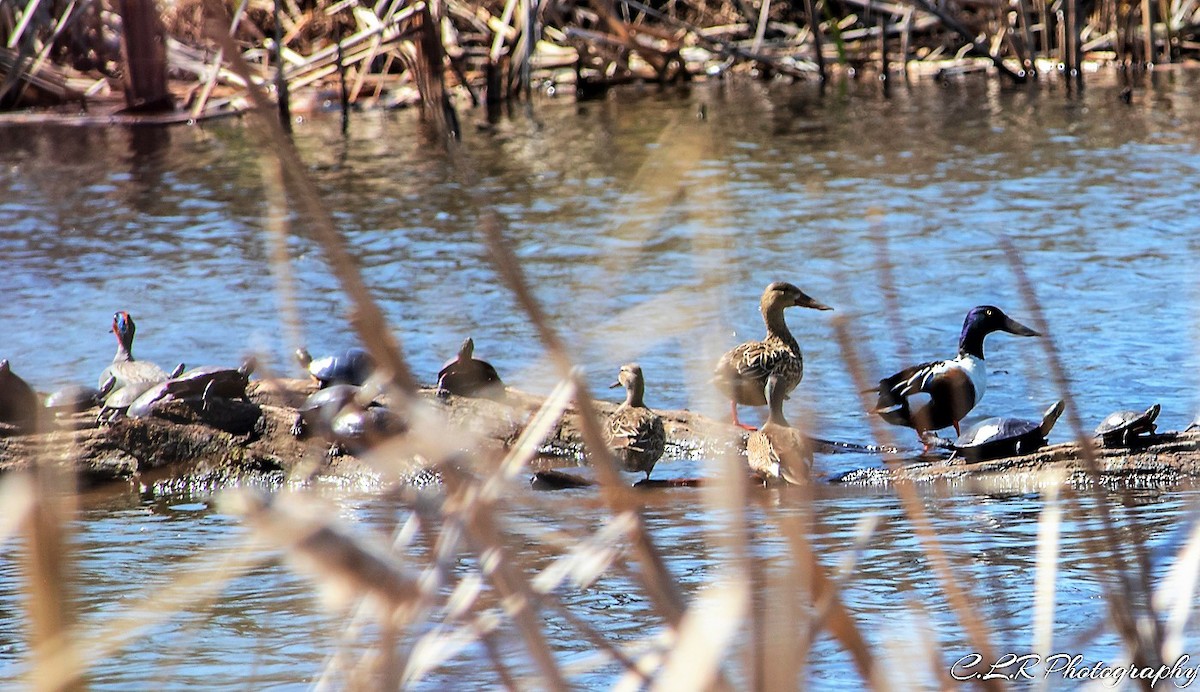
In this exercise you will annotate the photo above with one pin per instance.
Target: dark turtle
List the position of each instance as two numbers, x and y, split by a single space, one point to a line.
121 398
317 412
352 366
998 437
73 398
18 402
214 381
358 429
1122 428
466 375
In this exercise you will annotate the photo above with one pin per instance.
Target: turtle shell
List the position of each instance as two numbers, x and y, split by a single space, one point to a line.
73 398
993 438
218 380
352 366
1121 426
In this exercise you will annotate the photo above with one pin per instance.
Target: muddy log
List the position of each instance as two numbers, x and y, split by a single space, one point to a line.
1159 461
229 440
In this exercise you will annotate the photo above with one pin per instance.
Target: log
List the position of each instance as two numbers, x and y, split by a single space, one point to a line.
230 441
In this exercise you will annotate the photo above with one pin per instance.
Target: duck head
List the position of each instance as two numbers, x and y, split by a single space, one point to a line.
984 320
781 294
630 377
124 327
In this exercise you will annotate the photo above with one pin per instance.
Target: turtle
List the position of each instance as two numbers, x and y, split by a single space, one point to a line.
117 403
352 366
468 376
318 411
73 398
1122 428
18 402
993 438
358 429
206 382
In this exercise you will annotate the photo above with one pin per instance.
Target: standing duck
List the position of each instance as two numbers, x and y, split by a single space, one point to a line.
124 369
634 433
778 451
935 395
469 376
750 372
19 404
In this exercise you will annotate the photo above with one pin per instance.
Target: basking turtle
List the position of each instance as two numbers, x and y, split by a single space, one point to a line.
357 428
124 367
117 403
998 437
1123 428
466 375
352 366
73 398
318 411
18 402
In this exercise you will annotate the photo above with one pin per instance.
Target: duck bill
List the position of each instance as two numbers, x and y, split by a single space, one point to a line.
1014 327
614 385
806 301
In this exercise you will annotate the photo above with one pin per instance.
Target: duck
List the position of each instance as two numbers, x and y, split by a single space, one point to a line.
777 451
125 370
19 404
749 372
939 394
634 433
468 376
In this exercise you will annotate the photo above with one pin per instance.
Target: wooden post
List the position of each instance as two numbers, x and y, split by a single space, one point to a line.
814 25
430 70
144 48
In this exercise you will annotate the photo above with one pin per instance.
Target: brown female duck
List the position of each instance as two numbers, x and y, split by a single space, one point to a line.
749 372
634 433
778 451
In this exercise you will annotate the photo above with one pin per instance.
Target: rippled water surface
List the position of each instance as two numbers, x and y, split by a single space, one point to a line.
649 232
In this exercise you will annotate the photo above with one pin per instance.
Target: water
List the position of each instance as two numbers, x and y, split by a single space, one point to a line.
648 233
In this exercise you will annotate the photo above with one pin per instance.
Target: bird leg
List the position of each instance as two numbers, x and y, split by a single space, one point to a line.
738 423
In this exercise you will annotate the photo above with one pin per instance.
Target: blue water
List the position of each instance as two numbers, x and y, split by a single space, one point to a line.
648 234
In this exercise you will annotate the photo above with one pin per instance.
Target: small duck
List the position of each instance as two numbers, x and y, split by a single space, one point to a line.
778 451
634 433
935 395
469 376
19 404
125 369
749 372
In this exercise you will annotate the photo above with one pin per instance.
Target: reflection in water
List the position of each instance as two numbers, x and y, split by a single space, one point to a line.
649 234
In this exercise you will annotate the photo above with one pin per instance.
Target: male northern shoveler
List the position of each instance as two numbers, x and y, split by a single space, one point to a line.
748 372
778 451
932 396
634 433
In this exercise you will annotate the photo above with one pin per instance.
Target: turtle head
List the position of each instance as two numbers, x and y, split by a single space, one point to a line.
784 294
984 320
467 350
5 368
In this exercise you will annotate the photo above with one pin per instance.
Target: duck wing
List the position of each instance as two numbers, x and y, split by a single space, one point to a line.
910 394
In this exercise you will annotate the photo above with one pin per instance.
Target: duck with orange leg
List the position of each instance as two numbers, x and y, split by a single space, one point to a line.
939 394
748 373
